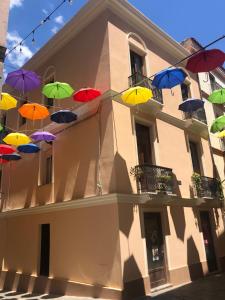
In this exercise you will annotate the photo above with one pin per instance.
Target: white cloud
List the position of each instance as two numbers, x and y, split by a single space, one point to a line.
17 57
16 3
59 20
54 29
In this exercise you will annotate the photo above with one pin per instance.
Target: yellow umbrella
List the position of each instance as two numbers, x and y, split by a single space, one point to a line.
17 139
137 95
7 101
221 134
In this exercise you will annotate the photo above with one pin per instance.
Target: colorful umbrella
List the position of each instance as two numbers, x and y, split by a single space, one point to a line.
217 96
205 61
28 148
86 95
57 90
218 124
43 136
63 116
33 111
191 105
16 139
10 157
5 149
136 95
169 78
23 80
221 134
7 101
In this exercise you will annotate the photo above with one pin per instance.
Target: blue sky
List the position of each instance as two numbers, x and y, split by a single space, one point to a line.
202 19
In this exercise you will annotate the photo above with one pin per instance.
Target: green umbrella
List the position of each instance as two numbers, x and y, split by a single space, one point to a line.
218 124
217 97
57 90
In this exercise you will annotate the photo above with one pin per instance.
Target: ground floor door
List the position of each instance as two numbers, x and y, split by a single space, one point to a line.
208 241
155 248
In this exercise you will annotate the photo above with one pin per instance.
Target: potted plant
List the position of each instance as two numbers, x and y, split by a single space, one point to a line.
196 179
163 181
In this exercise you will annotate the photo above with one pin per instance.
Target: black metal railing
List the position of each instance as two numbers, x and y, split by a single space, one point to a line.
209 187
153 178
137 78
215 86
198 115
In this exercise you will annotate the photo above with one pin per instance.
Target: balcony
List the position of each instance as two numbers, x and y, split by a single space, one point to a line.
207 187
136 80
151 178
197 122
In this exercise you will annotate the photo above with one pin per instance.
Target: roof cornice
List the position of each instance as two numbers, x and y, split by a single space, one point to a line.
89 12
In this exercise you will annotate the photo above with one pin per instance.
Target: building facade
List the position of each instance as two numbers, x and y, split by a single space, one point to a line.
110 210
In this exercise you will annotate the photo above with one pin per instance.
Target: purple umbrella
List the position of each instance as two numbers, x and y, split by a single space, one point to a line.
43 136
23 80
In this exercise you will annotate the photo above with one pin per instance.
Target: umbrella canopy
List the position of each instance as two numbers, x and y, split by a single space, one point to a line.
205 61
33 111
7 102
191 105
23 80
217 96
57 90
63 116
86 95
218 124
5 149
167 79
16 139
43 136
28 148
136 95
221 134
10 157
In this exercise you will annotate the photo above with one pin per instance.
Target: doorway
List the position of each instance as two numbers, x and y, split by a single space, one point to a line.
208 241
143 144
45 250
155 248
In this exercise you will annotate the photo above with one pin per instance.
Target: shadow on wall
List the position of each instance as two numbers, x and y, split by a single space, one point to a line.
193 259
178 218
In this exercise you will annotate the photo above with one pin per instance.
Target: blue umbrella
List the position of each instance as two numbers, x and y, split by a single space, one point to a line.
191 105
28 148
63 116
169 78
10 157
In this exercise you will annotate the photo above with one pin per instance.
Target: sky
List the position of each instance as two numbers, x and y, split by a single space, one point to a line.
202 19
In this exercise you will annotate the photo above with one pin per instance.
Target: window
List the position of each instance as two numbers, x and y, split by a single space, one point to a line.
212 81
49 102
45 250
22 120
3 119
185 90
143 144
48 172
136 63
195 157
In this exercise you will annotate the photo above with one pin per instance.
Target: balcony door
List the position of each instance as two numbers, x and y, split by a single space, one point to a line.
208 241
195 157
136 63
155 248
143 144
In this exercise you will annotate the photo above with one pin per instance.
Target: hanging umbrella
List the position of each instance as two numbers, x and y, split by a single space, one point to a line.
137 95
16 139
218 124
3 161
86 95
28 148
221 134
10 157
57 90
5 149
63 116
191 105
169 78
43 136
7 101
217 96
33 111
205 61
23 80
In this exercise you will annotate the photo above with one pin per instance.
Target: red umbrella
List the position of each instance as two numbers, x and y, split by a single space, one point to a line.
86 95
206 60
5 149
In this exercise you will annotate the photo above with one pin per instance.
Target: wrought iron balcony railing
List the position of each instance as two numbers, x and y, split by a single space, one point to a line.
137 78
198 115
209 187
151 178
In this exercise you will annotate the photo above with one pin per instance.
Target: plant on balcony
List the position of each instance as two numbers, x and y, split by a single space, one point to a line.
137 173
196 179
163 181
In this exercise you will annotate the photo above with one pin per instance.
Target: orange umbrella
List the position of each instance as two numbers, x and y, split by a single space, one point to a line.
33 111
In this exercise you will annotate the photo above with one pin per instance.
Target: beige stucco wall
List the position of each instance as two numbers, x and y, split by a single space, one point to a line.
4 12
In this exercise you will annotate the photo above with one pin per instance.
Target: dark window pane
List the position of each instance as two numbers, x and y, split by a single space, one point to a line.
195 157
45 250
185 90
136 63
143 144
